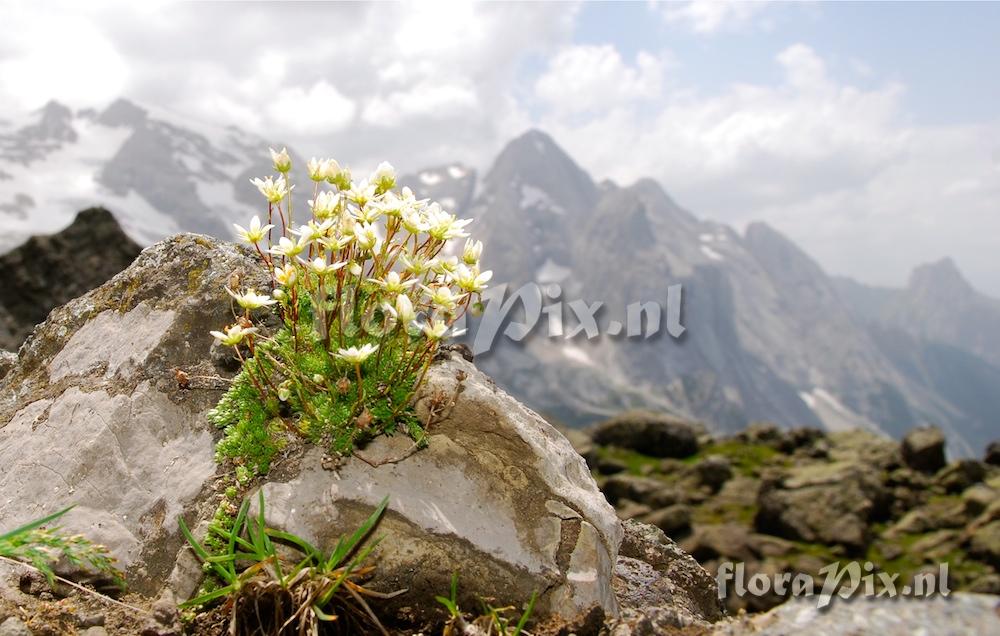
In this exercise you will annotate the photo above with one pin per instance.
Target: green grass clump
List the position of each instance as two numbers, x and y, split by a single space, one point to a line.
267 591
491 620
40 547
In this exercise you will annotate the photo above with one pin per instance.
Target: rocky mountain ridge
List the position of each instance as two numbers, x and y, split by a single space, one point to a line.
769 335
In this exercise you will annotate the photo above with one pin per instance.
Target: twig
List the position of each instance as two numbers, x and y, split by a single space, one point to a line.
103 597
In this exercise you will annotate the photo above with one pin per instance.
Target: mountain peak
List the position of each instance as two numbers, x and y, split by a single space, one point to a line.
122 112
940 275
55 123
534 159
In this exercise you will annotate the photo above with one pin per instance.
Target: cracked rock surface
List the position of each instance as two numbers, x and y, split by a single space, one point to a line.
91 414
498 495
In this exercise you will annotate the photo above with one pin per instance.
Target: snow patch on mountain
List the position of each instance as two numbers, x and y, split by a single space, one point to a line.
552 272
536 198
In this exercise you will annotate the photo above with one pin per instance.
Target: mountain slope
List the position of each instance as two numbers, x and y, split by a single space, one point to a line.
48 271
769 335
157 173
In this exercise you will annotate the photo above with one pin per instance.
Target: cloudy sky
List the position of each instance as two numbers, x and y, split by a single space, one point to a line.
869 133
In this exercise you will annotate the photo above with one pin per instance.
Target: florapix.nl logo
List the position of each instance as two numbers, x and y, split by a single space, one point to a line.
843 580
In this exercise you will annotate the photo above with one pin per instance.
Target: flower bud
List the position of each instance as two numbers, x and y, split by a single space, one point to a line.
282 162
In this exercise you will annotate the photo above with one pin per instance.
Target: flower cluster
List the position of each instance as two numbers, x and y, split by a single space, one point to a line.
366 290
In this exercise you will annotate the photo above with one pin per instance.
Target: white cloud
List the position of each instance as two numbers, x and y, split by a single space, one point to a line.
840 169
587 78
64 57
319 109
711 16
425 100
425 82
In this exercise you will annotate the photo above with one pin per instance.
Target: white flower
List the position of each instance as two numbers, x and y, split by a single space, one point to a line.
255 233
289 248
312 232
274 190
392 283
279 294
384 177
250 299
472 251
437 328
233 335
444 266
444 226
317 169
361 193
470 280
325 204
416 264
282 162
286 275
442 297
357 355
322 268
369 212
414 221
340 177
391 205
365 236
336 243
403 311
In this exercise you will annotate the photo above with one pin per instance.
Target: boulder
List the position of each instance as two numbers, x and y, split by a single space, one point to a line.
498 495
992 454
713 472
821 503
660 587
727 541
7 361
985 543
959 475
645 490
92 414
923 449
47 271
959 613
653 434
673 520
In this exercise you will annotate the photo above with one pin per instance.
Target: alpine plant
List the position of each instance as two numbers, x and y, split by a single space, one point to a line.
365 291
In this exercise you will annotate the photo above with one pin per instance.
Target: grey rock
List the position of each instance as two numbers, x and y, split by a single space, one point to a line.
498 495
7 361
673 520
48 271
14 627
91 414
653 434
957 615
684 584
96 630
714 471
825 503
985 543
977 498
644 490
727 541
959 475
992 455
923 449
